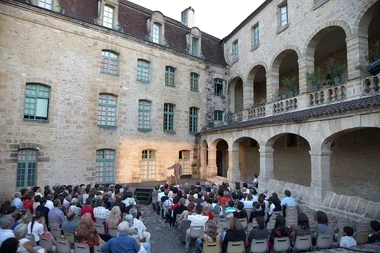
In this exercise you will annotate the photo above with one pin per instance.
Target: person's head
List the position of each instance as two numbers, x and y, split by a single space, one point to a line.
176 162
191 207
321 217
17 195
42 201
261 198
114 217
133 212
36 189
240 206
348 231
198 209
6 222
99 202
10 245
123 227
235 224
156 187
255 175
57 203
85 226
20 231
37 198
19 215
74 201
303 221
129 218
280 222
375 225
182 201
261 222
70 215
211 229
231 203
287 193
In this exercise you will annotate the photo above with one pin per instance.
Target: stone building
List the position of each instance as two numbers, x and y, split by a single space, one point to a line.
109 91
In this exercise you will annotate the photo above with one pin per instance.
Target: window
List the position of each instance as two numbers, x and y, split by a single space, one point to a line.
193 120
105 166
218 87
144 115
235 50
26 168
109 63
168 117
195 47
36 104
255 35
47 4
184 160
148 165
107 110
169 76
194 81
218 115
108 16
283 15
143 71
157 33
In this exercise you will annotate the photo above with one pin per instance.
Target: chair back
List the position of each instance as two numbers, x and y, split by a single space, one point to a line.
81 248
46 243
211 247
244 223
224 223
303 242
32 240
196 231
177 219
259 246
235 247
324 241
53 223
362 237
69 237
270 225
56 232
97 249
112 232
100 220
63 246
281 244
363 227
99 226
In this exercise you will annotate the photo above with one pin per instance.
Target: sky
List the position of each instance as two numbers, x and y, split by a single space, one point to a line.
215 17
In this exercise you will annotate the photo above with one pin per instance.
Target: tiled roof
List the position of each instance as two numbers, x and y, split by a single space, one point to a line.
301 116
133 19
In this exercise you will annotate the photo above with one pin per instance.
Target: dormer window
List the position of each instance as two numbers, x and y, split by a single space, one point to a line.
108 16
195 47
194 42
47 4
157 33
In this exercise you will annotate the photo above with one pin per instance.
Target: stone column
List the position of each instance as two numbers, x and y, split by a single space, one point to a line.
203 166
357 47
272 86
233 165
266 165
211 168
320 174
247 96
305 66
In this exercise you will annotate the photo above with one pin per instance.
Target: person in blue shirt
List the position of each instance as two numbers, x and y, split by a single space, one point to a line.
17 202
230 209
287 201
123 243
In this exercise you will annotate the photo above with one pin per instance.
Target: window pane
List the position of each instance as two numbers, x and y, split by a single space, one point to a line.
156 33
42 107
108 16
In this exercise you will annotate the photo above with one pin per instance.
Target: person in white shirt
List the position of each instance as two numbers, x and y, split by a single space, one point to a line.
255 180
100 212
196 220
36 226
139 225
6 222
347 240
49 204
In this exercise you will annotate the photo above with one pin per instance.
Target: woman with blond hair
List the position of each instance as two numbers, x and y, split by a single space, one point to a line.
210 235
86 232
113 219
235 233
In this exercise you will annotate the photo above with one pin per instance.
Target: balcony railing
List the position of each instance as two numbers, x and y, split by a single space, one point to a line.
327 95
371 85
285 105
234 117
256 112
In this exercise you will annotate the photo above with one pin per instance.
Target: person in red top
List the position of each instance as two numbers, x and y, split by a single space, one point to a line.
27 202
206 211
224 198
88 209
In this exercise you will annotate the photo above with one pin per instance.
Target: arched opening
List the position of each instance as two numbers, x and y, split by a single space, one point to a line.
285 68
372 16
354 163
236 95
257 77
222 158
184 160
291 159
249 158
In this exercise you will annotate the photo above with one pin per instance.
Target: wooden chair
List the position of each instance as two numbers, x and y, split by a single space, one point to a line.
235 247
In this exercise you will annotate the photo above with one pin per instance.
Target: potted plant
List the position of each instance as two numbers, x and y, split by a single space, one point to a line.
291 84
373 58
334 70
278 95
327 83
313 78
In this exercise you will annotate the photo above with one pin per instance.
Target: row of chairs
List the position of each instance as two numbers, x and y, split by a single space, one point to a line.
63 246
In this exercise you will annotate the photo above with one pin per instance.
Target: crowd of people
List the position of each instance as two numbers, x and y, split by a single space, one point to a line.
77 209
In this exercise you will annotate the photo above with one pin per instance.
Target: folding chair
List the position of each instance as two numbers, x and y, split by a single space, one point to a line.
259 246
244 223
100 220
177 219
56 232
224 223
63 246
112 232
281 244
196 231
31 239
270 225
97 249
363 227
100 228
70 238
303 243
324 241
81 248
211 247
235 247
45 242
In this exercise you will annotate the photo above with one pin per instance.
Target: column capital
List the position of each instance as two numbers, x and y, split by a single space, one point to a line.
320 153
211 149
265 150
233 150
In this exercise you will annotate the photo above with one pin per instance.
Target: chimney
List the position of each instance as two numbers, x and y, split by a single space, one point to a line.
187 17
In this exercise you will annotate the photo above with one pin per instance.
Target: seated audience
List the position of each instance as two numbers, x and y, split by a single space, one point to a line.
86 232
279 230
302 228
141 229
179 209
235 233
9 245
87 208
75 207
27 202
196 219
56 213
114 219
36 202
287 201
322 226
123 243
210 235
215 207
70 225
240 213
375 236
19 217
347 240
259 232
17 202
6 222
230 209
100 212
25 245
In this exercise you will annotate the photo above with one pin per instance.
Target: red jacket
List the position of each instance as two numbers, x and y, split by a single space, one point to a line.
28 204
223 200
88 209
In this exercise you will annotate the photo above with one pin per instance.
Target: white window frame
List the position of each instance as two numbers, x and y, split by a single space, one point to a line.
47 4
109 16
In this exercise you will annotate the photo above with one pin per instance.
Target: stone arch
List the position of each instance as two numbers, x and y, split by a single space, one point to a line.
235 92
283 49
291 158
362 19
257 83
354 161
251 75
220 147
248 158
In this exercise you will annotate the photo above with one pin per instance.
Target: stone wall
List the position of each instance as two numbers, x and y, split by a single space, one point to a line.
42 47
249 160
